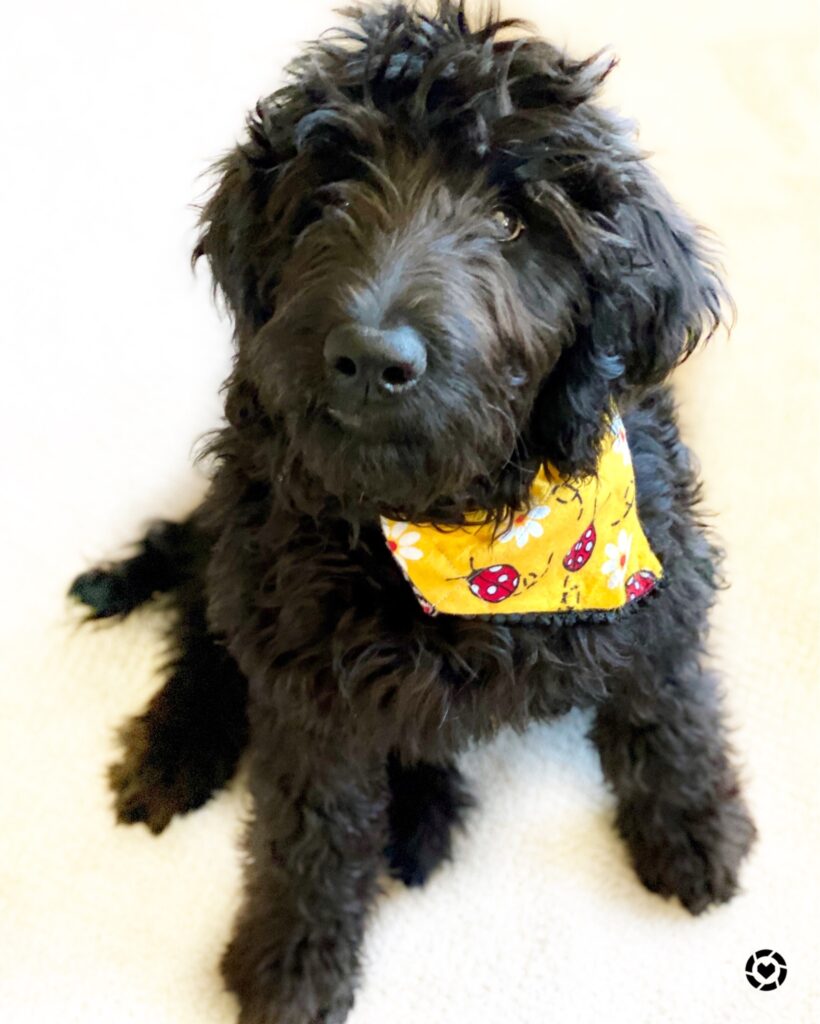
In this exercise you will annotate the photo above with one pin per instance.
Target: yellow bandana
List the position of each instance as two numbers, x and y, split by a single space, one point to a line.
577 549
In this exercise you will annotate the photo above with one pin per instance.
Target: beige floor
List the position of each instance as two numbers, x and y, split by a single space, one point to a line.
111 358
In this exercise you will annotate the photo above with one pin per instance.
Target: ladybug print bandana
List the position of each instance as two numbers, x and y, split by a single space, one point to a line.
577 550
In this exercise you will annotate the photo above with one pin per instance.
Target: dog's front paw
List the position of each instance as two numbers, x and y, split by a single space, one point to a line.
282 973
161 774
694 854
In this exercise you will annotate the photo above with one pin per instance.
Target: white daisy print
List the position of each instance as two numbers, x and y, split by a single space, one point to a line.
621 444
617 559
526 525
401 542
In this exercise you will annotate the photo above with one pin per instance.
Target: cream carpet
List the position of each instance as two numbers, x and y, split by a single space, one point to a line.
111 359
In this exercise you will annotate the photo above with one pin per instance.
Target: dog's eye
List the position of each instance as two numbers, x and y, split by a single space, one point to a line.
333 196
508 224
340 204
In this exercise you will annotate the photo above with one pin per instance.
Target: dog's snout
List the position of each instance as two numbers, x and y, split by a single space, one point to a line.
367 360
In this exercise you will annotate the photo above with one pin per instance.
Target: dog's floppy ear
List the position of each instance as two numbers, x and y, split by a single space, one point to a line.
225 238
657 291
654 293
242 234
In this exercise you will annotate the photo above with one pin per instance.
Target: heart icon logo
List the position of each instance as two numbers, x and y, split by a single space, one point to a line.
765 970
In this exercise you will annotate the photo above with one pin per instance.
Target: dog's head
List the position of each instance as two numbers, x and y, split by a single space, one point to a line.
444 261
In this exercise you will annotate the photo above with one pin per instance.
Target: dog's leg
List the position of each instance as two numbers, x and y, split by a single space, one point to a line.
427 801
315 848
165 558
187 742
664 750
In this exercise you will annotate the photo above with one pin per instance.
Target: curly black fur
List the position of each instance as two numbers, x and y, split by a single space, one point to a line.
366 193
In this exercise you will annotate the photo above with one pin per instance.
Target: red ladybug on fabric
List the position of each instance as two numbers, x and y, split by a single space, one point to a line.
640 583
494 583
580 552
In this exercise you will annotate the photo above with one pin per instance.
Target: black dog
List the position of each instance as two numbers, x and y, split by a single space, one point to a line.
445 263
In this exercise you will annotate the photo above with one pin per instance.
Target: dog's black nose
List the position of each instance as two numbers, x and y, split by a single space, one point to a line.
367 361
